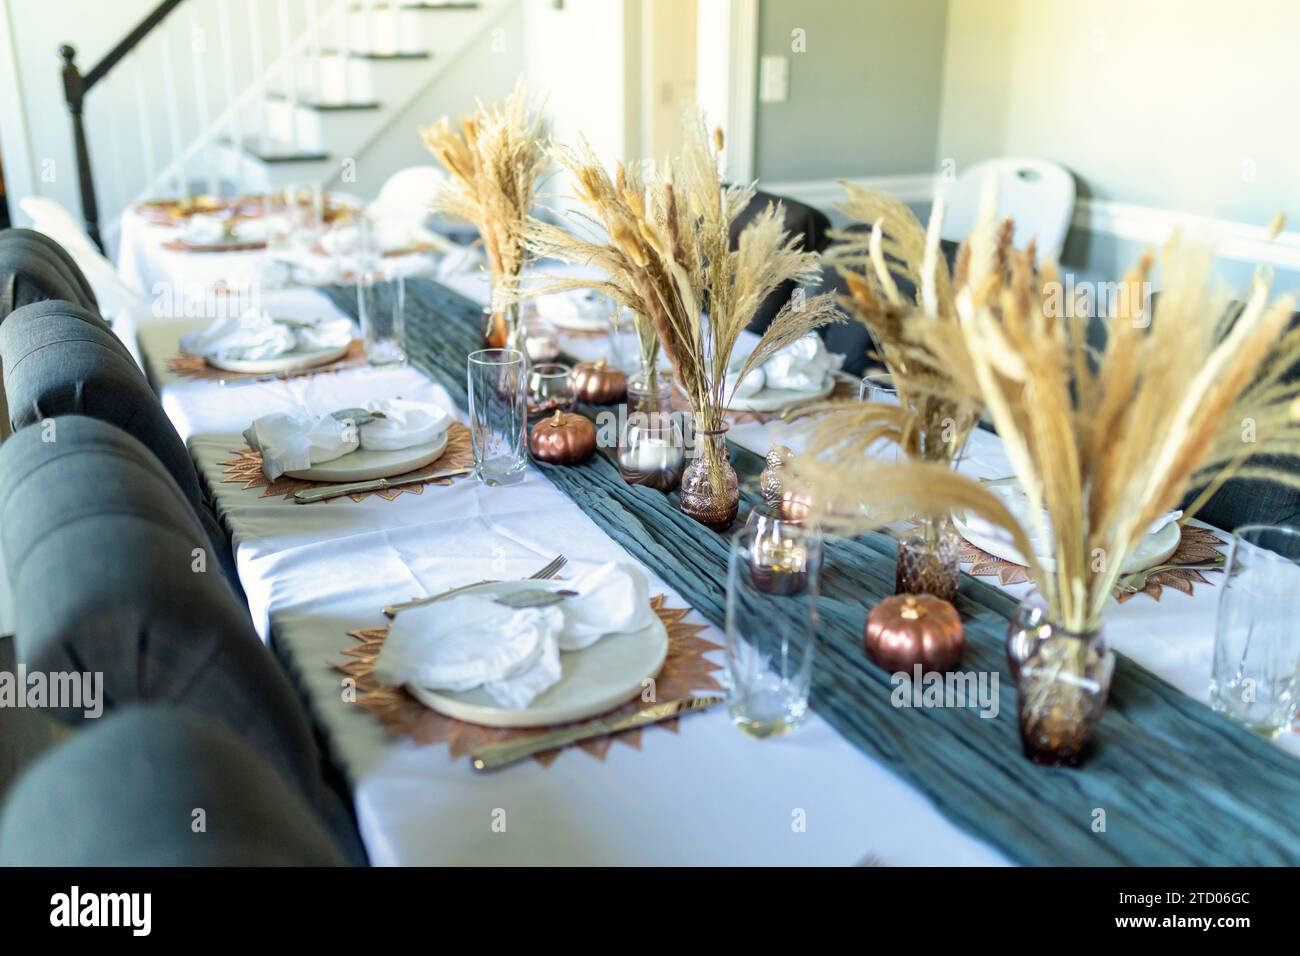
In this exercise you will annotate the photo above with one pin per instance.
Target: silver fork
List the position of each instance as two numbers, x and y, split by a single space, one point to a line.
548 570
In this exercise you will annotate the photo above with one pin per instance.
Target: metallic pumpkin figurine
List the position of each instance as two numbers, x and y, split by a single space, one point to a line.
909 629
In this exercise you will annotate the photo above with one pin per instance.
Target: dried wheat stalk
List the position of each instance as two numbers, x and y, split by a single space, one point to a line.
1102 443
496 158
663 244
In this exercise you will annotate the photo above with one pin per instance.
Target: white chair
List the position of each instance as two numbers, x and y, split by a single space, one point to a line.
1037 194
412 189
54 220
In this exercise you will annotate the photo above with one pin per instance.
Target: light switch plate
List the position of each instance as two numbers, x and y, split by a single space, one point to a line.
774 79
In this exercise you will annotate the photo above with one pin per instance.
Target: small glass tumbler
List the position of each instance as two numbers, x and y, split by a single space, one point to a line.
1255 676
652 452
381 307
549 389
773 582
498 415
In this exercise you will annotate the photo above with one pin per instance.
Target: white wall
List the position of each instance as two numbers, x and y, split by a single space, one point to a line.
1188 105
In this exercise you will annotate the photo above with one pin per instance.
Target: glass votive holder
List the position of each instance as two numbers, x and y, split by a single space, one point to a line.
652 452
543 342
550 389
778 556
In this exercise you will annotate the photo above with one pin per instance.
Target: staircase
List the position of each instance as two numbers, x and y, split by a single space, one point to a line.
247 96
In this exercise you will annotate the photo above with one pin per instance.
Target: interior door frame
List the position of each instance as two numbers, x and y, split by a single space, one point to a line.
727 77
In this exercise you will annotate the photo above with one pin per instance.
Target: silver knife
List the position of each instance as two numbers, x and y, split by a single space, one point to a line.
307 496
492 756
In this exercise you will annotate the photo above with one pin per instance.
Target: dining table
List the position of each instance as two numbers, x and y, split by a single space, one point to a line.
699 793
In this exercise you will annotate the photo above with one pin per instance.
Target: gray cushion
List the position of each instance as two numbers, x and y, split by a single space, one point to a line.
124 793
33 268
100 547
60 359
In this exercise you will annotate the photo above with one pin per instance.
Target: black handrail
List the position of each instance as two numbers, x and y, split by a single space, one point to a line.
75 87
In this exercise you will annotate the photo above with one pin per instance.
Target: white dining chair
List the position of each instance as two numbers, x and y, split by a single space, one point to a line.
56 221
411 188
1037 194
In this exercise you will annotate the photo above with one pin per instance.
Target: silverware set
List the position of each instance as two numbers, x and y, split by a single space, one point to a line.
548 570
492 756
1136 581
324 493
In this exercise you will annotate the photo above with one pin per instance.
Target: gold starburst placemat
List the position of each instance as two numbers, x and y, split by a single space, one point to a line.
1196 546
685 671
246 469
197 368
180 245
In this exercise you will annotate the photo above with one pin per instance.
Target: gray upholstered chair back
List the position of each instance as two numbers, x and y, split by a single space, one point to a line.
34 268
159 787
111 574
61 359
807 224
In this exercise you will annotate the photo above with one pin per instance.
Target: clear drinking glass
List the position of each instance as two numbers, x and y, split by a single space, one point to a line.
773 581
498 415
381 308
652 451
1255 676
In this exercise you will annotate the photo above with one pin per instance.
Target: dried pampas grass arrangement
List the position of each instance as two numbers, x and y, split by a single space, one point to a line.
932 419
1103 442
496 157
667 257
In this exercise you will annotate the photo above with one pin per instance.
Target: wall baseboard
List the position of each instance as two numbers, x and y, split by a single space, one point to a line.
1231 240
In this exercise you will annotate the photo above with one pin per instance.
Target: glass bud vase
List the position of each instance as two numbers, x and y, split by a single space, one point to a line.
929 560
1028 626
504 328
710 491
1061 690
649 391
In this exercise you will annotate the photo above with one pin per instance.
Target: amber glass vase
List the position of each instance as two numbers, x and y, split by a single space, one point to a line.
710 492
929 560
1061 690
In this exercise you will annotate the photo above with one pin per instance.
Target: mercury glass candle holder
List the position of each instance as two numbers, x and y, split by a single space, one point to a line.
549 389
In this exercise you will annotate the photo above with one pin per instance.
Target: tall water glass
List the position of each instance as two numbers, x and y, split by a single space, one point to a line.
773 582
381 308
498 415
1255 677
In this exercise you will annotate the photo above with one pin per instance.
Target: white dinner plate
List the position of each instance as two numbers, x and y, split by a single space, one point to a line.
1153 549
362 465
593 680
287 362
775 399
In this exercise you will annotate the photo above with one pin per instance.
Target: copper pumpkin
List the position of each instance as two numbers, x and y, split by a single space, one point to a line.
598 383
563 439
909 629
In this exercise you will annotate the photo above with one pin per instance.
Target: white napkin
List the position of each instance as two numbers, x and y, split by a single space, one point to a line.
204 230
293 441
513 654
252 335
581 305
404 423
459 261
256 335
326 333
1017 502
802 366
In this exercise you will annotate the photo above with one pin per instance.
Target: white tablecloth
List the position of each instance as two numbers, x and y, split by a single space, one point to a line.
704 795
